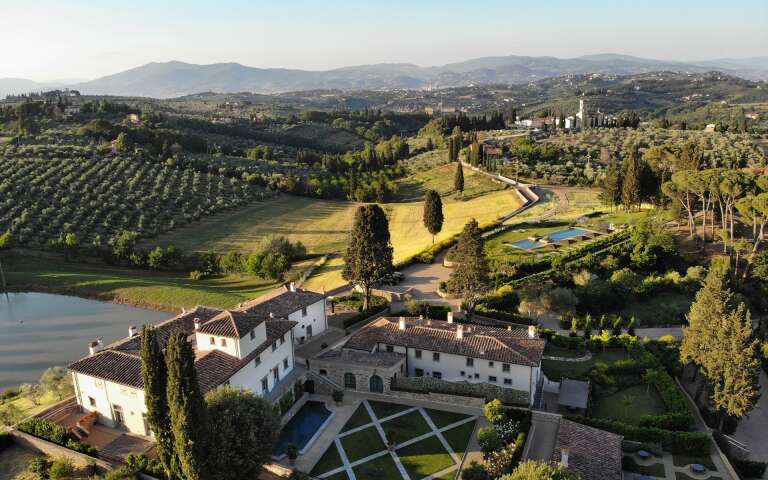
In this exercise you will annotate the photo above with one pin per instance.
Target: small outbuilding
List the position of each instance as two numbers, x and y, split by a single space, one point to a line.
574 394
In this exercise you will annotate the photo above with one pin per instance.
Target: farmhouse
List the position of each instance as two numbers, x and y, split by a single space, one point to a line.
250 347
442 355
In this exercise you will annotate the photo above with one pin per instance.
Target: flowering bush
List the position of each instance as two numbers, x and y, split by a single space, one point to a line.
508 430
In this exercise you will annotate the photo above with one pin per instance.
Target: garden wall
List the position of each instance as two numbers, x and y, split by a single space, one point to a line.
36 444
461 389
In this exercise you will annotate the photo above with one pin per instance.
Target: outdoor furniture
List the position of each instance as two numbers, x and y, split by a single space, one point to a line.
645 455
698 468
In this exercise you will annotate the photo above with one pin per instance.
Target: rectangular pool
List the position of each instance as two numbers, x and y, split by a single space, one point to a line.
303 427
553 237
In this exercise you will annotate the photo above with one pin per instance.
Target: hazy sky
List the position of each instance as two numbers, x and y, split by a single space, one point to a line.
64 39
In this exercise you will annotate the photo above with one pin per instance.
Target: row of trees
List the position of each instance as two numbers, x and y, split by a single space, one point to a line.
229 434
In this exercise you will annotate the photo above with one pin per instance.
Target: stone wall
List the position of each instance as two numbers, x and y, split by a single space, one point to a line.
475 402
36 444
485 391
335 373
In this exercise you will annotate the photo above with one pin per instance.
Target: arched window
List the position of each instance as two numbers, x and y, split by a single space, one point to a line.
350 381
376 384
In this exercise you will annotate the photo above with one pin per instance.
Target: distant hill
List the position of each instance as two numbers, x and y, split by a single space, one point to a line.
172 79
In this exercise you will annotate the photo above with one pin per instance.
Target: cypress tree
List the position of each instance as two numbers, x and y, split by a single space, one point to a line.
612 185
187 407
469 280
369 255
630 188
433 213
155 377
458 179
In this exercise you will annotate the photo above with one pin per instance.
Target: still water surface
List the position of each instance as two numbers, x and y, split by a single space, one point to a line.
40 330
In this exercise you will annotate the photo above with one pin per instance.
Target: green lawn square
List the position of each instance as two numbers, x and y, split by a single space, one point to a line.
441 418
458 437
358 419
386 409
424 458
363 443
330 460
406 427
381 468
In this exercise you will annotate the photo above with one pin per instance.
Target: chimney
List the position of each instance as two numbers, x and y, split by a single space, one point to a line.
292 286
564 457
271 315
531 331
509 328
421 317
94 347
459 332
132 331
401 323
450 317
197 324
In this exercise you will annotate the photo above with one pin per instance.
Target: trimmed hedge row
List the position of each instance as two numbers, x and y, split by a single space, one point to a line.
685 443
745 468
53 432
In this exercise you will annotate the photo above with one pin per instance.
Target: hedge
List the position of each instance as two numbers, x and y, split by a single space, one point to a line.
745 468
685 443
348 322
55 433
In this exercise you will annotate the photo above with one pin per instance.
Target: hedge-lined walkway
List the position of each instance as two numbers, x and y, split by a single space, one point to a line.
426 455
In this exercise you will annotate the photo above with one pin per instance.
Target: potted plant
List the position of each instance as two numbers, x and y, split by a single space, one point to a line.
391 440
292 451
338 396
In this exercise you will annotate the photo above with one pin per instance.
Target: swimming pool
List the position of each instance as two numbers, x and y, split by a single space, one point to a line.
303 427
557 236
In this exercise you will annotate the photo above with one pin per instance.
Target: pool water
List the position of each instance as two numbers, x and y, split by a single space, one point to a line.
302 427
553 237
565 234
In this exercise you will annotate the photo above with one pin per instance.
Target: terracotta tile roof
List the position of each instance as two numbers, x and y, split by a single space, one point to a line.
233 323
355 357
593 454
116 364
184 322
282 302
491 343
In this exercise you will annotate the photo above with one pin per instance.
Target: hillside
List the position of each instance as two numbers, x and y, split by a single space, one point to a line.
174 78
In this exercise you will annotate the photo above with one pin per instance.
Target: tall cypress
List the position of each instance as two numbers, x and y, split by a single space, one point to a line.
458 179
155 377
369 254
187 407
433 213
630 188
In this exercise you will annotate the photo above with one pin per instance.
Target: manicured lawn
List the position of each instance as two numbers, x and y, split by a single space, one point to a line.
656 470
406 427
629 404
385 409
440 178
381 468
553 351
555 370
424 458
338 476
13 462
164 291
329 461
682 476
358 419
441 418
27 406
363 443
684 460
448 476
458 437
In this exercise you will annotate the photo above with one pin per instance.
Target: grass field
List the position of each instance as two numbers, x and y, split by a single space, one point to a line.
629 404
162 291
413 187
556 370
425 457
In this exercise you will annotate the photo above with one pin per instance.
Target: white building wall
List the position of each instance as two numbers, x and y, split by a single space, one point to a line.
315 318
250 376
108 395
451 367
247 345
206 342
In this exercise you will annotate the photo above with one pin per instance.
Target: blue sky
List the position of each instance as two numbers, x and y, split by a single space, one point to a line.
57 39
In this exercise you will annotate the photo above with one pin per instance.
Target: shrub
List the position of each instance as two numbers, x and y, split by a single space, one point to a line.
55 433
749 468
196 275
61 468
39 466
494 411
142 463
292 451
489 440
474 471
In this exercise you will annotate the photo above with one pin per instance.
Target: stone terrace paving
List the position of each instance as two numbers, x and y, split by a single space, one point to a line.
349 466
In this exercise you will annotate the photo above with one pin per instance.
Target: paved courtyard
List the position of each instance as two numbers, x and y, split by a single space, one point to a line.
389 440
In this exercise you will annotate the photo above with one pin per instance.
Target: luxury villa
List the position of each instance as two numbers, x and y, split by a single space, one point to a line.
251 346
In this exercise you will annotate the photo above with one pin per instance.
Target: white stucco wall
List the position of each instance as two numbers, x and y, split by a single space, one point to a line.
108 394
250 376
227 345
315 318
450 367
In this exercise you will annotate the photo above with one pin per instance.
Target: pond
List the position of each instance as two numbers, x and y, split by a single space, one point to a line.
41 330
